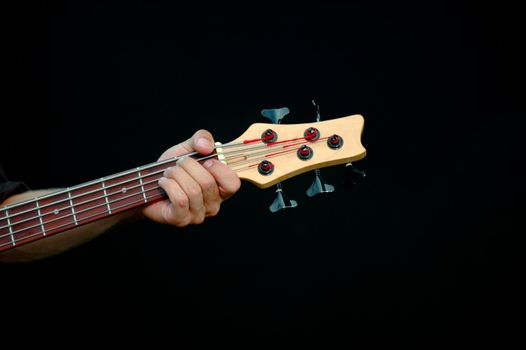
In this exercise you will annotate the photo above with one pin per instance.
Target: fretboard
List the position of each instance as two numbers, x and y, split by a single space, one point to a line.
27 221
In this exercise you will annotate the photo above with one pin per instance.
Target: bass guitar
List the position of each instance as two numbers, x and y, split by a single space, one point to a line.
265 155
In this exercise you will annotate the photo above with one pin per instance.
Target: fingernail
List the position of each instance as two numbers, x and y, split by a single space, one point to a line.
202 142
208 163
162 179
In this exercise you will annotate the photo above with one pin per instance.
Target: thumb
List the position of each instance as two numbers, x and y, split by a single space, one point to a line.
202 141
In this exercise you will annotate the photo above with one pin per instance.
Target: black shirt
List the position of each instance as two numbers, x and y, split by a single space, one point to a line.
9 188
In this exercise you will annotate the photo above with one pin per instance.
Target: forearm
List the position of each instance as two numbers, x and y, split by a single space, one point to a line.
61 242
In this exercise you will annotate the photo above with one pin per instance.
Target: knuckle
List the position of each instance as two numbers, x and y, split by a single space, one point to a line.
184 221
233 185
171 217
208 185
198 219
179 220
169 172
193 190
213 209
166 214
181 202
183 161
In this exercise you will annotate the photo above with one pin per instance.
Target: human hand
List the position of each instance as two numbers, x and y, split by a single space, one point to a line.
194 191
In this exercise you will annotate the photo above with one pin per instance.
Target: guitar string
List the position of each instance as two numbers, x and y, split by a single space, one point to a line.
73 212
10 242
139 169
124 173
101 197
111 186
120 174
67 199
264 153
11 234
76 213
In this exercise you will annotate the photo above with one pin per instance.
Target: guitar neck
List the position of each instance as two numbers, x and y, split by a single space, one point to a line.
259 156
43 216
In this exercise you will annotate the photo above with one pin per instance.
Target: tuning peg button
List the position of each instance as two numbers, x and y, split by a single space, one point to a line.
311 134
275 114
269 135
335 141
304 152
353 175
319 186
265 167
281 202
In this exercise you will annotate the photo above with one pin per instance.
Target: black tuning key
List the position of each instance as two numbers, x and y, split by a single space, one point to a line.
281 202
352 175
318 185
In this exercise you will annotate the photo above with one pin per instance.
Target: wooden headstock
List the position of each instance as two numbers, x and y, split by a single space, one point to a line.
266 158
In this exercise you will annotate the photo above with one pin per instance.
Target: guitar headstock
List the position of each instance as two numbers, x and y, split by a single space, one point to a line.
266 154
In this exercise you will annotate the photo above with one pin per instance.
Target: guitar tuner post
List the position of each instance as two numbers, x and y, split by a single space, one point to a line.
311 134
353 175
305 152
319 185
335 142
269 135
275 115
265 167
315 104
281 202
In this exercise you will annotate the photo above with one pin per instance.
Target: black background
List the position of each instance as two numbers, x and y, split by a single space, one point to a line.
428 250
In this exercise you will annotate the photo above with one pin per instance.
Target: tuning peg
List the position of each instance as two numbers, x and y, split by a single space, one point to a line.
352 175
319 185
275 114
282 201
318 115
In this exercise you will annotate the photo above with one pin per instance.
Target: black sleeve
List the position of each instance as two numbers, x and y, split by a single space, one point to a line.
9 188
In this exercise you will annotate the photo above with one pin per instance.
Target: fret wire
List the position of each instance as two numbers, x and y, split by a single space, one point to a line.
72 207
142 185
93 182
10 228
121 174
106 197
96 190
160 196
82 194
40 219
105 193
87 218
81 211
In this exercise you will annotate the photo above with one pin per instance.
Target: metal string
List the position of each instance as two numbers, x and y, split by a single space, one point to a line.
12 233
68 224
138 169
